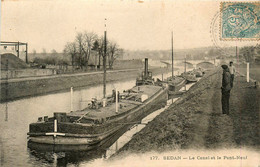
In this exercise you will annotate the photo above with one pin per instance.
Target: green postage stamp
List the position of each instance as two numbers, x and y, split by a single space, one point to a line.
240 21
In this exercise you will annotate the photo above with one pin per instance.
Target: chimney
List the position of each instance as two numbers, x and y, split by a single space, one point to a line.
146 67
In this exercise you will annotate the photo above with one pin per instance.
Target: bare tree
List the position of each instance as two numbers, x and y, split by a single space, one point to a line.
89 40
98 46
113 53
100 50
84 45
71 49
79 42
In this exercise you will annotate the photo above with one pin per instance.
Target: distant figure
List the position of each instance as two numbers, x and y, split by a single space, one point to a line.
232 70
114 95
94 103
225 89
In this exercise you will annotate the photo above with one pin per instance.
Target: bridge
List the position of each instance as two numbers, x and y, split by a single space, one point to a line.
193 63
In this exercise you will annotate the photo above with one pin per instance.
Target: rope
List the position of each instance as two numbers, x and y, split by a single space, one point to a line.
82 116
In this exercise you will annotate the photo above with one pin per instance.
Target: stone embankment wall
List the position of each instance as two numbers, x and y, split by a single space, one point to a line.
10 74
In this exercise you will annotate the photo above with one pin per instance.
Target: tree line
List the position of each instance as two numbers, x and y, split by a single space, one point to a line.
249 53
89 45
86 49
53 58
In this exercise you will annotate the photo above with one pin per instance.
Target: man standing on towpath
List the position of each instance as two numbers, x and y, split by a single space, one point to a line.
225 89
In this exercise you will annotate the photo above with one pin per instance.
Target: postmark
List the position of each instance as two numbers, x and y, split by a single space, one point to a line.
223 45
240 21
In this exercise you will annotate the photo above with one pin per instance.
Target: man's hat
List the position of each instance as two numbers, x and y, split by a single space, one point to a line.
224 66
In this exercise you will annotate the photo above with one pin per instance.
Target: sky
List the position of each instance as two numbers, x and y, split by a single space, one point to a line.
133 24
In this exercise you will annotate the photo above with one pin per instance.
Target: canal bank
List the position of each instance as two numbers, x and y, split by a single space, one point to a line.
196 122
21 88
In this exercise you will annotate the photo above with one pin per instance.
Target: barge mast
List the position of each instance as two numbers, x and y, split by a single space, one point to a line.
172 56
104 60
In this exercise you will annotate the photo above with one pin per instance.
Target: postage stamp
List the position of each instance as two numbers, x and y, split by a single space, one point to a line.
240 21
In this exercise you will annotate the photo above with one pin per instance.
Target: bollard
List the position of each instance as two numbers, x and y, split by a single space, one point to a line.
55 125
71 99
162 76
104 102
247 72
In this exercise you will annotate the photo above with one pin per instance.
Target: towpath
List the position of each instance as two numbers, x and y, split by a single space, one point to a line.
196 120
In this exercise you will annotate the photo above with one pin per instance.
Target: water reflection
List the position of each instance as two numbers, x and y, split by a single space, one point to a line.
58 158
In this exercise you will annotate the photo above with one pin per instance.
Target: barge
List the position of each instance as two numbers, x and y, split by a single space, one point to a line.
101 121
189 76
199 72
146 77
175 84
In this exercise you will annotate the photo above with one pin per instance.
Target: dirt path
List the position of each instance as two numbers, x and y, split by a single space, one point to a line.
211 129
197 122
241 127
245 112
220 130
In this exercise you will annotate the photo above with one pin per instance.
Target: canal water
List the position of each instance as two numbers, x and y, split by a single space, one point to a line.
15 117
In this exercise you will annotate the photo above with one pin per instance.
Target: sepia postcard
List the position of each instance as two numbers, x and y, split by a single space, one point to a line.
149 83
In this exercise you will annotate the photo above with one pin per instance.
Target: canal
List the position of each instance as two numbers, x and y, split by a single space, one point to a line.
17 115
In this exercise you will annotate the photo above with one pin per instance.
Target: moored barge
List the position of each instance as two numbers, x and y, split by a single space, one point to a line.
102 120
189 76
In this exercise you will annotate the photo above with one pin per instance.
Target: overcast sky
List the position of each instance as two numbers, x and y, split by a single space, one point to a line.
134 25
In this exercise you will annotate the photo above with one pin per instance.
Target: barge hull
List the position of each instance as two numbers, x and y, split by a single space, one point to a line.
61 140
90 141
